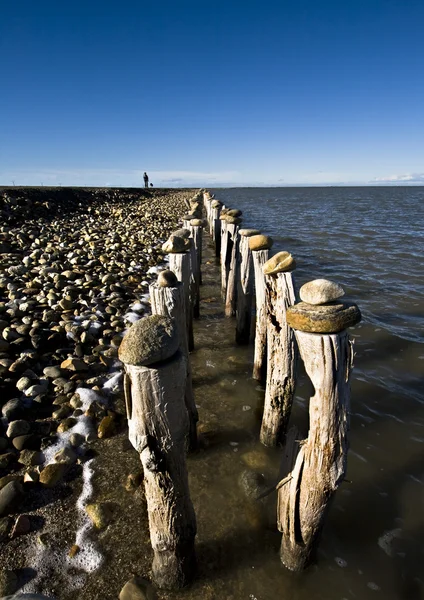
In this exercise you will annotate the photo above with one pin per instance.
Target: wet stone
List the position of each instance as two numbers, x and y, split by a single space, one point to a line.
320 291
137 589
53 474
100 514
10 497
327 318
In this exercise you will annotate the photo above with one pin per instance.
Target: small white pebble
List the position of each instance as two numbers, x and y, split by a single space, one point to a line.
340 561
246 408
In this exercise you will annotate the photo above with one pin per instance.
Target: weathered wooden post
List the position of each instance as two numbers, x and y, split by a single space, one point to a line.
215 221
245 287
319 466
155 376
233 221
281 348
167 298
207 199
179 249
260 246
196 230
223 254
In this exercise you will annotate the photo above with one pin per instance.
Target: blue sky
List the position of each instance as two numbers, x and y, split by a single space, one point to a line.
211 93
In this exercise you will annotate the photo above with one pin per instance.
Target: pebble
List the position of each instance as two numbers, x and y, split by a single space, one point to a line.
329 318
22 526
74 364
53 474
137 589
16 428
150 340
176 244
10 497
320 291
260 242
100 513
107 427
279 263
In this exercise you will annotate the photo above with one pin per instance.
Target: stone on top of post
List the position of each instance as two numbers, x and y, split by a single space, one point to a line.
318 466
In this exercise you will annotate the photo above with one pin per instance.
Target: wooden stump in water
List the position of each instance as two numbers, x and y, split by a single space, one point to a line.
245 287
232 259
259 246
281 357
180 264
158 425
224 265
196 230
319 466
167 299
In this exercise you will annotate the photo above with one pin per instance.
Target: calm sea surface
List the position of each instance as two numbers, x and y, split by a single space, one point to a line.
371 240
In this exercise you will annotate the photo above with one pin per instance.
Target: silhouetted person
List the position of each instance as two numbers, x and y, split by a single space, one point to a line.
146 180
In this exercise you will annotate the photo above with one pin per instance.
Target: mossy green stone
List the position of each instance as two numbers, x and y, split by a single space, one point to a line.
325 318
150 340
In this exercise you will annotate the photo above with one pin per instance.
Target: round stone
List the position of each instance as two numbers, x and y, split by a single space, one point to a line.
249 232
150 340
216 204
279 263
234 212
183 232
167 278
137 589
260 242
327 318
197 222
175 244
232 220
320 291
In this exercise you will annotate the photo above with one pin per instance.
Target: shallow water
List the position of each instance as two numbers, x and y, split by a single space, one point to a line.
370 240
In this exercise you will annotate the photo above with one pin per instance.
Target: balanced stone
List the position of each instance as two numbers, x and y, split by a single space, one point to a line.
150 340
260 242
279 263
176 244
197 222
167 278
249 232
216 204
183 232
320 291
327 318
233 220
234 212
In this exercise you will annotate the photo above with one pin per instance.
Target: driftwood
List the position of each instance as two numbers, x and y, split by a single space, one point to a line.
245 292
281 359
259 361
232 259
170 302
180 264
158 425
319 466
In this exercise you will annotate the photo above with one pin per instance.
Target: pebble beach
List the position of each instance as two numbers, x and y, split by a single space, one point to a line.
75 266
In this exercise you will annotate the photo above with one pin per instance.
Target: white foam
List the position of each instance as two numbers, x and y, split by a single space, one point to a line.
137 307
131 317
87 397
113 382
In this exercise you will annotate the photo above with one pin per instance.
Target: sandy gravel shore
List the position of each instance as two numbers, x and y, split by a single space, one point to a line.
75 265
